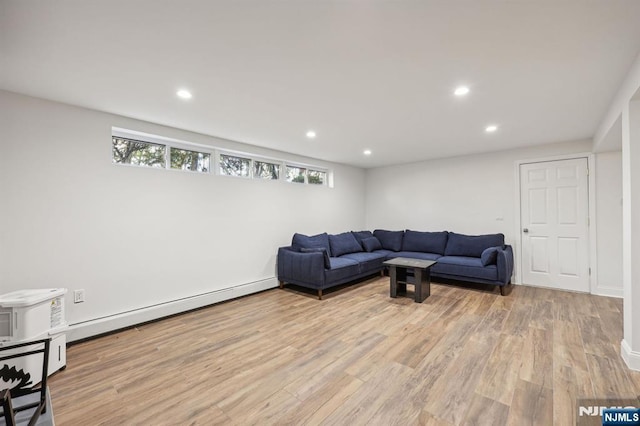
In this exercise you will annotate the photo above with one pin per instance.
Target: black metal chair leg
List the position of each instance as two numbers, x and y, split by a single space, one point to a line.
7 409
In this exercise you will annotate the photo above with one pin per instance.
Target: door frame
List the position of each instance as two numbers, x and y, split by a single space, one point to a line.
591 235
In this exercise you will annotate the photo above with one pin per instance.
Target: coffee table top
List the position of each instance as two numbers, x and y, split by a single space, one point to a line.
408 262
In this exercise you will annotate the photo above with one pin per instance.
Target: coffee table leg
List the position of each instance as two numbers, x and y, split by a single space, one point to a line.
423 284
427 282
393 279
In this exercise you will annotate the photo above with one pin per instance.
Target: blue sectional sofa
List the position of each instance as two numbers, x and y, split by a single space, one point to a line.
323 261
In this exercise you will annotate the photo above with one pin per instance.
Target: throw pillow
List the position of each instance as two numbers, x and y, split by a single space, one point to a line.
390 240
344 243
327 261
300 241
489 256
361 235
371 244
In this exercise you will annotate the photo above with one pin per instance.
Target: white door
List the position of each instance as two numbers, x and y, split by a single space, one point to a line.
554 206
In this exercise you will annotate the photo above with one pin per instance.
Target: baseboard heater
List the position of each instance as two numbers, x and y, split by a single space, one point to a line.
95 327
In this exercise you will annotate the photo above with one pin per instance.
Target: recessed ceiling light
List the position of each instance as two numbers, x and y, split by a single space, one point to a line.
367 152
491 128
184 94
461 91
311 134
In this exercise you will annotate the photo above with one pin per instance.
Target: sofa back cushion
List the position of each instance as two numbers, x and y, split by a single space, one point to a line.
390 240
344 243
371 244
425 242
471 245
300 241
361 235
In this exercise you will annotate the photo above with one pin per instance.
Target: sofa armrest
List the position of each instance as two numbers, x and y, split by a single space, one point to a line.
297 267
505 264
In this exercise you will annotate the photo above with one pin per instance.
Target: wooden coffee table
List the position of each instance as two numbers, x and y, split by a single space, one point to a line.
398 268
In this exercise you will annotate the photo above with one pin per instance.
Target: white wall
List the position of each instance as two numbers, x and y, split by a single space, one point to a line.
628 88
609 214
469 194
135 237
630 345
476 194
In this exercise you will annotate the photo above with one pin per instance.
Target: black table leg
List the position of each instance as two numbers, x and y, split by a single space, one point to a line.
393 290
422 284
398 280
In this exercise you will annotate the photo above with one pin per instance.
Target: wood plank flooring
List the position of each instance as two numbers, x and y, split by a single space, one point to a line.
464 356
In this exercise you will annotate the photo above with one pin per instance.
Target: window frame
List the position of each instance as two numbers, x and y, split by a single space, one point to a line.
131 139
168 143
284 164
324 181
296 166
266 161
188 149
242 157
214 159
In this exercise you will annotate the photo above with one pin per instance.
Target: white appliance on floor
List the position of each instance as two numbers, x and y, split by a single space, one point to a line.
35 314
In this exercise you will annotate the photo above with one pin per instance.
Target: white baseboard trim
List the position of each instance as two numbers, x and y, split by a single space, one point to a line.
609 292
632 358
113 322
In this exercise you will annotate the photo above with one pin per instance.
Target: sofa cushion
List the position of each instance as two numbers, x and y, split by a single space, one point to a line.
416 255
304 241
387 253
489 256
361 235
327 263
371 244
390 240
465 267
368 261
342 262
341 267
471 245
344 243
427 242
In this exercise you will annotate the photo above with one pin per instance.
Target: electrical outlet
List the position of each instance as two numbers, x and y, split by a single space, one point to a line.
78 296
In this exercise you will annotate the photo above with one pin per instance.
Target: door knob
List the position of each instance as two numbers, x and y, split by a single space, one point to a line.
525 230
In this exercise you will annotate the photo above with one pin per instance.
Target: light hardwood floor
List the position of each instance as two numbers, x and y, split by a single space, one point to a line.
464 356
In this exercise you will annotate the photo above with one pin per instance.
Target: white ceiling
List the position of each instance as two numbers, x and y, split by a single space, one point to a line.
370 74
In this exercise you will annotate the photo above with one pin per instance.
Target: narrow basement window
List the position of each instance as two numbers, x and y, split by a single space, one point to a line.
145 150
138 153
231 165
317 177
266 170
296 174
194 161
